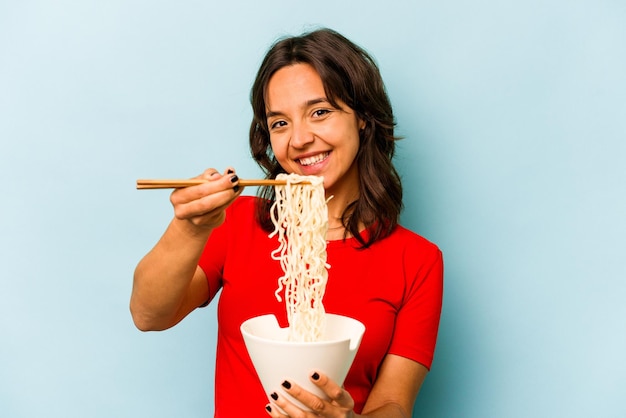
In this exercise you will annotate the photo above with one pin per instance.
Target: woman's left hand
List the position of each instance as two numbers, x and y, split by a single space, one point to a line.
339 404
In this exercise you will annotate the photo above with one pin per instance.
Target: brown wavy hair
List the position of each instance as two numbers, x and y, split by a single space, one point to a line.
351 75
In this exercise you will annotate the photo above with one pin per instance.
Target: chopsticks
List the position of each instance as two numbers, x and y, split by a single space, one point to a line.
175 184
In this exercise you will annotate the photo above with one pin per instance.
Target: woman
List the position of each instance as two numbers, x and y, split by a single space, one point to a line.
320 108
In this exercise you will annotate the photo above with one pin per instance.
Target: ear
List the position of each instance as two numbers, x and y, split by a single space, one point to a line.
362 124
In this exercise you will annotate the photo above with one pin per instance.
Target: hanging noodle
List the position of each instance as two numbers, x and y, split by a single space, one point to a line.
300 220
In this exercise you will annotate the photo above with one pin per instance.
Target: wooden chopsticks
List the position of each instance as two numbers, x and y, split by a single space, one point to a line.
174 184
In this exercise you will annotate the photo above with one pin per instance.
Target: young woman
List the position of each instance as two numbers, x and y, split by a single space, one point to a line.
320 108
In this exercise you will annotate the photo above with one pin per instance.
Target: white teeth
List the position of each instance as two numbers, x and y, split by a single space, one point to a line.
313 160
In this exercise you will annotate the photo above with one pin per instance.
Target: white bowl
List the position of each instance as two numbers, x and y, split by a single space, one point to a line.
276 359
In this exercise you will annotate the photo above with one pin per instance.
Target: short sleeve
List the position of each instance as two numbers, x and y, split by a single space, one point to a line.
417 323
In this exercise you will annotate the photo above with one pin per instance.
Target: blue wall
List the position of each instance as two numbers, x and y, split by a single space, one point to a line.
514 117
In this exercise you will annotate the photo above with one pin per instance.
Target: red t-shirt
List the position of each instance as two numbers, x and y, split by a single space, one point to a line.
394 287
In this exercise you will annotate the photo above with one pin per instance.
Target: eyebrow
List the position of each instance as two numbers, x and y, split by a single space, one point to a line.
306 104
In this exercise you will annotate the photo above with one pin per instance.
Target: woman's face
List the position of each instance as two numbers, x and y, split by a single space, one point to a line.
307 134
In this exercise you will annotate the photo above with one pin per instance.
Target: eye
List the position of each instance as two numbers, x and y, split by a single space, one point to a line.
278 124
320 113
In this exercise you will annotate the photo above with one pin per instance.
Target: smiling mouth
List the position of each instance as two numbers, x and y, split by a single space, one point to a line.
314 159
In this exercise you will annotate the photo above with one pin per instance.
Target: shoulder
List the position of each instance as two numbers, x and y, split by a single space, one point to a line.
415 258
406 254
422 265
408 242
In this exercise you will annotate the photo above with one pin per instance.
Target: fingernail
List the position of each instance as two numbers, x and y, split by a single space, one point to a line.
286 385
236 189
274 396
230 171
315 376
234 179
268 408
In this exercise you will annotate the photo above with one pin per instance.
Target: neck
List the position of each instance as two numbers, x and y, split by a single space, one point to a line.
341 194
336 229
336 209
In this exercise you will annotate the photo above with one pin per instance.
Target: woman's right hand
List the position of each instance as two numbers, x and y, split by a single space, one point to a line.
204 205
168 284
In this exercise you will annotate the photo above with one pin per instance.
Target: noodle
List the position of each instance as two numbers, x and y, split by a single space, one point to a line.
300 220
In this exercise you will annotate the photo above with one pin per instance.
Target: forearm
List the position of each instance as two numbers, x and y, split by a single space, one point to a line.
390 410
396 388
163 277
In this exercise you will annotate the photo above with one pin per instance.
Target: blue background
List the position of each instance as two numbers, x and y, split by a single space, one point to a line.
514 118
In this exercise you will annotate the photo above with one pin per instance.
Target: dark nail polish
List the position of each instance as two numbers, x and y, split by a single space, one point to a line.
315 376
230 171
274 396
234 179
268 408
236 189
286 385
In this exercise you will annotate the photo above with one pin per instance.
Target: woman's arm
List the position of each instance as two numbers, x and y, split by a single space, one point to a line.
396 388
168 284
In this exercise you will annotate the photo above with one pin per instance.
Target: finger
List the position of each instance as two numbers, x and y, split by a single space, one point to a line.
281 401
215 183
306 398
234 179
209 173
186 207
204 204
273 411
337 395
209 211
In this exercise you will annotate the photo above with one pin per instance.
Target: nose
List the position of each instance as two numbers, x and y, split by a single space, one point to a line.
301 135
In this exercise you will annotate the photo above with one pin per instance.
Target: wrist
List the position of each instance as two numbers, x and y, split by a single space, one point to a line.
190 230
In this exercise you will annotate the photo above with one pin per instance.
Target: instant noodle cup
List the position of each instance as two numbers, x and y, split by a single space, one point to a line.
276 359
